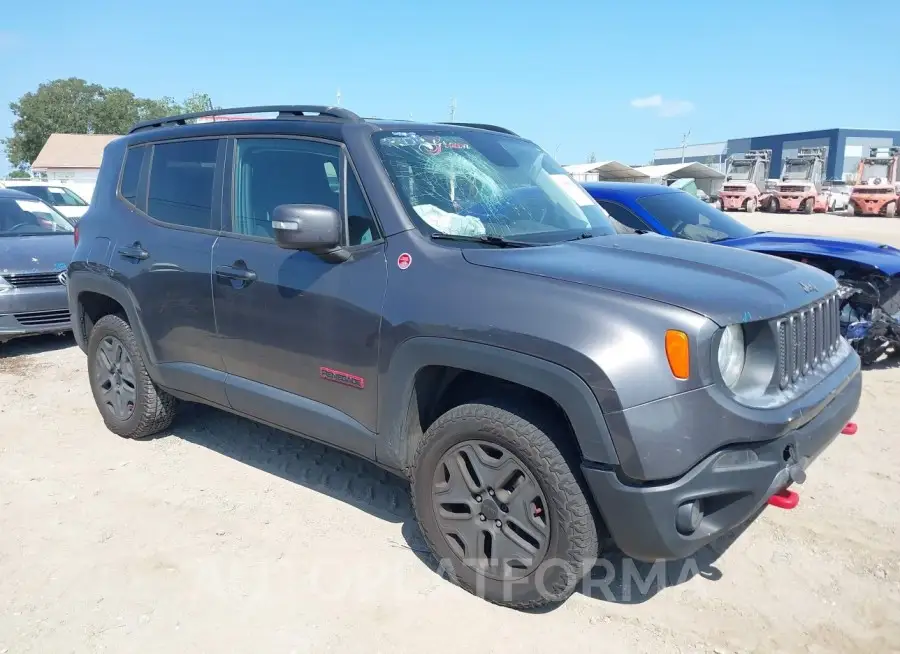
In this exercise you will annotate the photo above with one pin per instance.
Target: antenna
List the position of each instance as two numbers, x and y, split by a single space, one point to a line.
339 97
452 109
684 139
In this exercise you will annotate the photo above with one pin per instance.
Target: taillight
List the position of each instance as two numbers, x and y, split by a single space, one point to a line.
76 234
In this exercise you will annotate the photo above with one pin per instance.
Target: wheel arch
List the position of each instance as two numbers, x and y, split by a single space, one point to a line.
83 288
428 375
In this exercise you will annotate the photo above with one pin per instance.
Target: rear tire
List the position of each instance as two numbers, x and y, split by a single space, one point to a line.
563 542
132 406
750 206
809 206
890 210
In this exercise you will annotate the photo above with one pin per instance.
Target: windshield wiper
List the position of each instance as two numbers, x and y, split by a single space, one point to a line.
498 241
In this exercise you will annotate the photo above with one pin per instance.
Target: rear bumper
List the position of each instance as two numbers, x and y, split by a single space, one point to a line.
791 202
731 485
870 206
733 200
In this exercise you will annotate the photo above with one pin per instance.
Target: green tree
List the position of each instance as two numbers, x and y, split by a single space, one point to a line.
74 106
18 173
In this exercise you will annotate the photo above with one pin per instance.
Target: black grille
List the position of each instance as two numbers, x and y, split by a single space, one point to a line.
42 318
27 280
806 339
792 189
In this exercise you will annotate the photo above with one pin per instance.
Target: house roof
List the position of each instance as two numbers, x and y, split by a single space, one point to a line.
606 170
72 151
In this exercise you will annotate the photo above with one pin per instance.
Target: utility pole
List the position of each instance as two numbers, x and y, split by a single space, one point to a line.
684 139
452 109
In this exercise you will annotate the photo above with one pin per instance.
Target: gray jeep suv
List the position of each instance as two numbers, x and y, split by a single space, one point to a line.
444 300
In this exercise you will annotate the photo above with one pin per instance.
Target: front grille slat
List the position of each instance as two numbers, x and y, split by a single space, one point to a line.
806 339
29 280
42 318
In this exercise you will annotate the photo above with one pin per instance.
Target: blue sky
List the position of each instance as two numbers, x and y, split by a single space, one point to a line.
613 78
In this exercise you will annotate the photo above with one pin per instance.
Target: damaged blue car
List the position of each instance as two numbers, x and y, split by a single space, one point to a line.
868 273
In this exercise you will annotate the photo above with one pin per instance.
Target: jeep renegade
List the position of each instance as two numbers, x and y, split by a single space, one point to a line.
444 300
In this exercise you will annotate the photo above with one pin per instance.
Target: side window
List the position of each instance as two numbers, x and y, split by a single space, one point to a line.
361 225
272 171
131 174
181 182
627 221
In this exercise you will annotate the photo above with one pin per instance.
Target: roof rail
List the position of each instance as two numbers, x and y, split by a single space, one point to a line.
492 128
284 111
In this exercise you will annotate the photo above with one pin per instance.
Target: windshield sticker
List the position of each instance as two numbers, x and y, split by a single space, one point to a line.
31 205
56 189
573 190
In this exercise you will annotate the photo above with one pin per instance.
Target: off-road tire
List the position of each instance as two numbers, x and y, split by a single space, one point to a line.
890 210
154 409
527 432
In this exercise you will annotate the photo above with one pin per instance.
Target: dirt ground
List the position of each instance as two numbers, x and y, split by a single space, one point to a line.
226 536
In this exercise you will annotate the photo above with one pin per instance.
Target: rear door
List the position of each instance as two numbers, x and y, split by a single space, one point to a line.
174 189
299 335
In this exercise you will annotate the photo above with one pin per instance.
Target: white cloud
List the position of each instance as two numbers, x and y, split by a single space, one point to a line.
664 108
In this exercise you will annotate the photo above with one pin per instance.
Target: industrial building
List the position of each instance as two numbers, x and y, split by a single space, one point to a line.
845 148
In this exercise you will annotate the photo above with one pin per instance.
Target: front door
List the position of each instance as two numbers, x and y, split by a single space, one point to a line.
299 335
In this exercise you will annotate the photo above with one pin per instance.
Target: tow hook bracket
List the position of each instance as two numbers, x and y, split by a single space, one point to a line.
785 499
849 429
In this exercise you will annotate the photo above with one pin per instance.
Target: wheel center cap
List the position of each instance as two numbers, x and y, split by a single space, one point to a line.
489 509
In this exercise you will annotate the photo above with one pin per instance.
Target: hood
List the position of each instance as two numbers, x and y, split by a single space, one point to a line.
21 254
71 212
882 256
727 286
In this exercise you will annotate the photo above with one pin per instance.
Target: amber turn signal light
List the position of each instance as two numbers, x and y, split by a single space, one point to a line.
678 352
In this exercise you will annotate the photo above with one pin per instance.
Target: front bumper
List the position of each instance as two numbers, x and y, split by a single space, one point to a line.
37 310
732 484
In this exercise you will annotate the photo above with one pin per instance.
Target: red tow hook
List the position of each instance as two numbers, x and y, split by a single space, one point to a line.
849 429
785 499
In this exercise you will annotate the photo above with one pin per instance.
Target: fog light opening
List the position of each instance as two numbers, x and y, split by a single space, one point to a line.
688 517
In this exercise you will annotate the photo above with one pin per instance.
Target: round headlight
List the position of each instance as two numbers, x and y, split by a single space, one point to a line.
731 354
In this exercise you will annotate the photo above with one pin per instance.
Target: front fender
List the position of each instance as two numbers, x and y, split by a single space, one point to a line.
567 389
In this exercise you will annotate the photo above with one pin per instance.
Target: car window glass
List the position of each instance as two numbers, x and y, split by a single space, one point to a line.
131 173
273 171
361 226
626 221
36 191
689 218
181 182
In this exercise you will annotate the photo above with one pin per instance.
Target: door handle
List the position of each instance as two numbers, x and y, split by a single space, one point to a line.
230 272
134 252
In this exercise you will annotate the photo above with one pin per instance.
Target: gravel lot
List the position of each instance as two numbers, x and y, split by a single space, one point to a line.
226 536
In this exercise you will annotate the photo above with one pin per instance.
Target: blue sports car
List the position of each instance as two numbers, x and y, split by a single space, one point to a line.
868 273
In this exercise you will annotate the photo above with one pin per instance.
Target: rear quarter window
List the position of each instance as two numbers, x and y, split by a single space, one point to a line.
131 174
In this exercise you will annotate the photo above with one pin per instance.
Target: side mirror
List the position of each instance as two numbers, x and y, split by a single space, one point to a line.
311 227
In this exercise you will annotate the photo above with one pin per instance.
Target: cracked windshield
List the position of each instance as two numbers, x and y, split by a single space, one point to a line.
489 185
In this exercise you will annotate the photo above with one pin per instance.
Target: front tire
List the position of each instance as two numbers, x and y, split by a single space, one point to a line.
132 406
501 502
